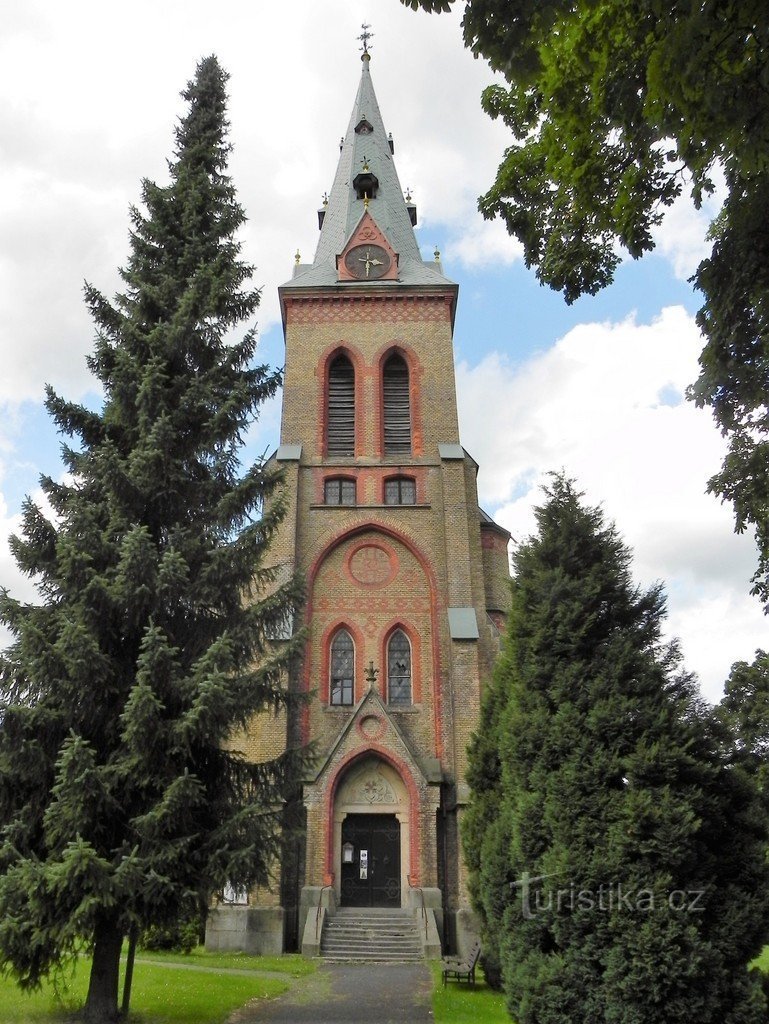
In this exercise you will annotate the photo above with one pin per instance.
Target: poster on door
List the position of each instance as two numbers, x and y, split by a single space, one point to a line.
364 863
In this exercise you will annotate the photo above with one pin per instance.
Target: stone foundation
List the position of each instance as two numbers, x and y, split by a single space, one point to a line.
255 930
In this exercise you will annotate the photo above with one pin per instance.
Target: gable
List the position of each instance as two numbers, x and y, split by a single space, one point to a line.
367 255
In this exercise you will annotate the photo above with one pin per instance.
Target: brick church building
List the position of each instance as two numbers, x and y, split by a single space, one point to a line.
407 578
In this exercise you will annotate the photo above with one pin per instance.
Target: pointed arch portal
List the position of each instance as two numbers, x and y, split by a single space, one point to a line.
371 835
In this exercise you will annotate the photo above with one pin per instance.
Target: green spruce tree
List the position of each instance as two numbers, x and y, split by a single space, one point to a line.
620 868
121 802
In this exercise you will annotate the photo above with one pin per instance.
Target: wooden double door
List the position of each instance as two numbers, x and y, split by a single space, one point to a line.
371 861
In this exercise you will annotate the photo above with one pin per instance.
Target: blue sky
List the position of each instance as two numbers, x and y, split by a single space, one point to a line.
88 97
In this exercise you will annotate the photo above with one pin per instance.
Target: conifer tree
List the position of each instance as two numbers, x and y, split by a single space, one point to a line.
122 803
620 868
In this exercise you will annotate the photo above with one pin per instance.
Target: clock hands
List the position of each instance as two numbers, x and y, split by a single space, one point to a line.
370 262
367 261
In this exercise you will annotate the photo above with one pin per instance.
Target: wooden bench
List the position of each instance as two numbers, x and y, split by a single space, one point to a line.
462 969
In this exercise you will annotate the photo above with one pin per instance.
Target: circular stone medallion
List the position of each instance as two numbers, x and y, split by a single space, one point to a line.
372 566
372 727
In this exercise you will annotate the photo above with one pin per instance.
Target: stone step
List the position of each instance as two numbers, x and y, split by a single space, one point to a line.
333 941
373 957
385 935
373 911
367 929
362 916
370 933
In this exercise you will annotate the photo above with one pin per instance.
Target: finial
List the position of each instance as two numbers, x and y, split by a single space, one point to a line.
408 195
325 198
370 674
364 38
437 254
365 164
365 200
297 257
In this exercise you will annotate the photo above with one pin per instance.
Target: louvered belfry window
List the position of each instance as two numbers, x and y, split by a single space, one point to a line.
399 668
340 423
397 409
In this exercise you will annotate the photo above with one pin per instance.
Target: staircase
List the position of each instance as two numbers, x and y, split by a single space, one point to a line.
367 933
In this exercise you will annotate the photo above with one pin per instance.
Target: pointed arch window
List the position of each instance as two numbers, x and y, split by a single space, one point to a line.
340 415
342 669
399 668
396 406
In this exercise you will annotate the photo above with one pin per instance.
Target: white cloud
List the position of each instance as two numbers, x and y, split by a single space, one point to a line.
483 244
89 96
606 405
20 586
681 237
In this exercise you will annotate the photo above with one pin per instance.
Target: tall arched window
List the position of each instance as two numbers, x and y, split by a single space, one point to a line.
342 680
396 406
399 668
340 415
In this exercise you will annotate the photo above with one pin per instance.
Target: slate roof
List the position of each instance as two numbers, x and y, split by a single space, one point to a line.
489 523
388 207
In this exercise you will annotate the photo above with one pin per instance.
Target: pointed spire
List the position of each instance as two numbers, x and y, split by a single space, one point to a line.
366 178
366 185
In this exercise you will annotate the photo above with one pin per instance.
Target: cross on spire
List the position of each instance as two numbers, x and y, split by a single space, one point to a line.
365 36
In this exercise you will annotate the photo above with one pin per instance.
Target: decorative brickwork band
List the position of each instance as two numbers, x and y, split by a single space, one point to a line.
409 308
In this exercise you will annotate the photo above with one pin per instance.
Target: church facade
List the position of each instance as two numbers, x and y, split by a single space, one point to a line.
407 579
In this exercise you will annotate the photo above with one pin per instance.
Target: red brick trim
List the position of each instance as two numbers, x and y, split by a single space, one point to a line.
367 231
399 474
436 604
359 366
359 687
416 372
320 485
381 727
416 660
400 766
411 308
374 584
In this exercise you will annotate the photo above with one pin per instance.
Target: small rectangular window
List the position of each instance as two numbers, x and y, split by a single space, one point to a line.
400 491
339 492
341 692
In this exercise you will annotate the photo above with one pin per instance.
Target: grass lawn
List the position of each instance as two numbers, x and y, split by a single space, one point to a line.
458 1003
290 963
162 995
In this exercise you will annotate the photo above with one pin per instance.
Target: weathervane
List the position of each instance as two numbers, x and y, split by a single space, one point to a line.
365 36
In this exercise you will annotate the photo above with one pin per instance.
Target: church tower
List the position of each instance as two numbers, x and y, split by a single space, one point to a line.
407 579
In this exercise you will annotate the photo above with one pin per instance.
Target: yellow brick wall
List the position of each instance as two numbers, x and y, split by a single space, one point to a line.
433 553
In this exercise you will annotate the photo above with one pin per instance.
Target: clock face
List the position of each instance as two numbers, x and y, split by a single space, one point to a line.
367 262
